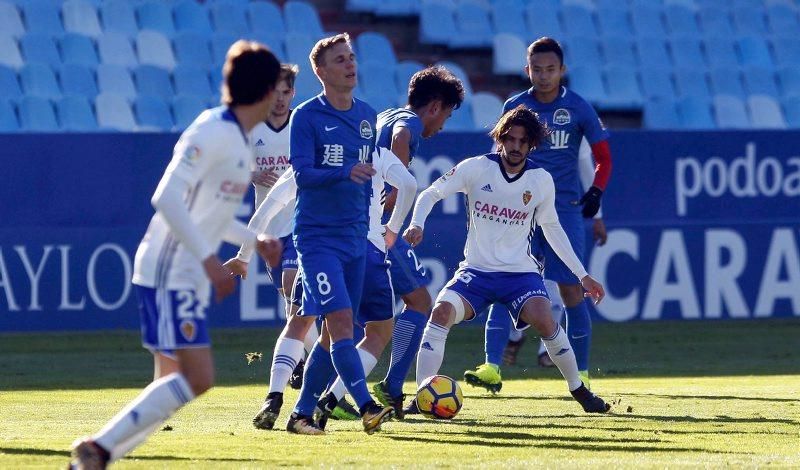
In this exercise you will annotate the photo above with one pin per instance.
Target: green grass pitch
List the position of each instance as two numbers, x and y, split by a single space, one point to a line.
685 394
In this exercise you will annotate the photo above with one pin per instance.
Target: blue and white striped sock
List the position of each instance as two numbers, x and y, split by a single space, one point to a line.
288 353
406 338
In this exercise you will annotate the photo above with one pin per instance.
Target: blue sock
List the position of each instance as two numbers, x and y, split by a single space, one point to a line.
348 366
318 372
407 334
498 327
579 331
358 335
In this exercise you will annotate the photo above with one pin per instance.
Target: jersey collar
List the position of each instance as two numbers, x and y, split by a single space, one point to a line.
510 179
228 115
278 129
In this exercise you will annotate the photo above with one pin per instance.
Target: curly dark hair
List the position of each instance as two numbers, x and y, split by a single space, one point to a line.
535 130
435 83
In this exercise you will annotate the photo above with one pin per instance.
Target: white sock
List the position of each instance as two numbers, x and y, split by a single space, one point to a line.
367 360
563 357
288 353
514 335
431 351
311 338
123 448
558 314
157 402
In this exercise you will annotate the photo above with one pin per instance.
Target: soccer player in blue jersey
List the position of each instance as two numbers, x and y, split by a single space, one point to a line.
570 118
332 140
196 203
433 94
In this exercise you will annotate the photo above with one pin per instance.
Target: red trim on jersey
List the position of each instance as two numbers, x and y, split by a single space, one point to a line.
602 158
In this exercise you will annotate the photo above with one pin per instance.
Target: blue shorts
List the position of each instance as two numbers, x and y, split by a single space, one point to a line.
333 278
554 268
377 301
172 319
288 261
408 274
482 289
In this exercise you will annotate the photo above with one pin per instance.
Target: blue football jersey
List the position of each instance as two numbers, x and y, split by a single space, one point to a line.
570 118
325 144
399 117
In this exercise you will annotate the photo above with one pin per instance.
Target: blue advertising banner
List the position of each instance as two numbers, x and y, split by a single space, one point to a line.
702 225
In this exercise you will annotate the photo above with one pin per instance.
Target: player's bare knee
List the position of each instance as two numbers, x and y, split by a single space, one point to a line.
340 324
418 300
536 312
298 327
443 314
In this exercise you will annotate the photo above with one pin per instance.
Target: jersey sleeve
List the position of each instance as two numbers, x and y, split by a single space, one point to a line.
195 153
395 173
281 195
455 180
302 155
593 128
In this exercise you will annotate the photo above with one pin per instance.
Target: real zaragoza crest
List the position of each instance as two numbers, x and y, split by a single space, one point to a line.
526 197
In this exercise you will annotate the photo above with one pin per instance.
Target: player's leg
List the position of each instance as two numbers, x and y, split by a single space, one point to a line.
289 277
487 375
557 311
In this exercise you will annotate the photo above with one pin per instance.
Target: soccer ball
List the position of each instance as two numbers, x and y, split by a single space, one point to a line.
439 397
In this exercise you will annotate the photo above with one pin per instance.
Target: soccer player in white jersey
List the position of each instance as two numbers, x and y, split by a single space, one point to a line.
196 203
507 197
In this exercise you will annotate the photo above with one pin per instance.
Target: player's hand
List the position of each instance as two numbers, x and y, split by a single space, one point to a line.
265 177
237 267
593 289
389 237
599 232
413 235
591 202
362 172
270 249
221 277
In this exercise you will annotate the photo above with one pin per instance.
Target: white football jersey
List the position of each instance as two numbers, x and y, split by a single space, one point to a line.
271 150
213 157
382 161
503 212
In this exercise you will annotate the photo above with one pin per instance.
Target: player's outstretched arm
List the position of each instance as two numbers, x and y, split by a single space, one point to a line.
237 267
594 289
281 195
397 175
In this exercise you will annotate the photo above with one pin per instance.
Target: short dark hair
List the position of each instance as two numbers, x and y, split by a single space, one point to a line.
288 74
546 44
435 83
318 51
250 73
535 130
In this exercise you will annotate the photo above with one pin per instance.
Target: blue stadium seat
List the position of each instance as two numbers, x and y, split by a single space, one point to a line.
40 48
155 49
273 41
760 81
8 117
618 49
578 20
585 4
754 51
692 82
229 17
266 17
646 20
657 83
721 52
36 114
783 19
186 108
695 113
582 50
375 78
661 114
379 101
42 17
114 112
791 110
79 50
118 17
486 110
298 45
686 51
302 17
787 50
726 81
116 80
115 48
152 113
789 79
10 20
543 21
715 22
77 80
75 114
156 16
681 20
623 88
614 21
403 73
153 80
749 21
765 113
307 86
508 54
395 7
473 25
459 72
436 24
508 16
215 77
587 81
80 17
729 112
461 120
652 52
375 47
363 6
221 42
192 48
191 16
9 84
9 52
192 80
39 80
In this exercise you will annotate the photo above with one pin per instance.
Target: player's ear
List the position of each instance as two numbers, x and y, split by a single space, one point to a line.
435 108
